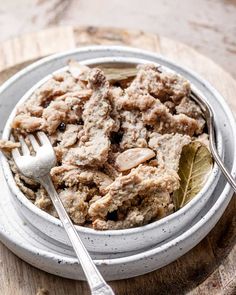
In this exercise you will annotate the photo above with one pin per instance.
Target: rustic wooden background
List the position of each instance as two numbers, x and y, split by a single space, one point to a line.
207 25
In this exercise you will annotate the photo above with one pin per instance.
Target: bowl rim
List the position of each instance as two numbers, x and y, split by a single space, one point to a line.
24 200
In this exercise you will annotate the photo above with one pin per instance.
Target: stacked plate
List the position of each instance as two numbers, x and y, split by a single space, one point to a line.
39 238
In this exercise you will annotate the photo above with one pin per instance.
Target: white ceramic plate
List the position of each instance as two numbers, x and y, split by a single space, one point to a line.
111 241
42 252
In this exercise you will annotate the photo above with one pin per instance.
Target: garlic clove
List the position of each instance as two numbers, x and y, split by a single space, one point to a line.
133 157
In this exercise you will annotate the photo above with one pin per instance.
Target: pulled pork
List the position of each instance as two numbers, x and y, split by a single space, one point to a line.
93 126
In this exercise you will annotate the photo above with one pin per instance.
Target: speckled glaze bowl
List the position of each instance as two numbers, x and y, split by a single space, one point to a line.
111 241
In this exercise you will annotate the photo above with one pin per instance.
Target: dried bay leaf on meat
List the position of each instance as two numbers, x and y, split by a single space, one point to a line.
119 74
194 168
113 74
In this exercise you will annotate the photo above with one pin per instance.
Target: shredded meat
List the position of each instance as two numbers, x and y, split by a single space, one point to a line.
133 129
28 123
151 208
95 144
111 170
72 175
8 146
156 114
117 143
26 190
42 200
75 204
27 185
141 180
162 85
139 96
114 95
168 148
54 115
191 109
164 122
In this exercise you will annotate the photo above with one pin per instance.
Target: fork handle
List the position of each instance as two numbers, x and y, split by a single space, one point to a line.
215 154
96 282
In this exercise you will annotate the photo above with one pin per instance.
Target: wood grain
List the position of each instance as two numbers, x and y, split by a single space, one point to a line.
209 268
206 25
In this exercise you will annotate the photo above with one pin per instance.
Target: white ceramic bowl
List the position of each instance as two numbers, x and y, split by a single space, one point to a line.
110 241
42 252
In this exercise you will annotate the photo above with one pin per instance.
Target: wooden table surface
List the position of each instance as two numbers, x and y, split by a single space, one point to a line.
206 25
210 267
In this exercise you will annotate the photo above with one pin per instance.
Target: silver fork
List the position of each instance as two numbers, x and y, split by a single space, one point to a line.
38 168
209 116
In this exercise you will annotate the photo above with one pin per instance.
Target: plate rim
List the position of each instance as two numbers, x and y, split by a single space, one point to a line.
212 180
225 194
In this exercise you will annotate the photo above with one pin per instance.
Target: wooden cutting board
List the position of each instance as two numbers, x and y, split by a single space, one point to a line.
209 268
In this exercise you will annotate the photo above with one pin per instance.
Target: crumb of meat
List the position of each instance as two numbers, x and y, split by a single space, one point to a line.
133 129
155 113
7 146
164 122
42 200
136 99
110 170
54 114
191 109
99 178
90 153
114 96
162 85
153 207
168 148
66 111
60 152
26 185
28 123
74 102
49 90
66 137
141 180
94 199
75 204
32 106
94 147
170 105
26 190
70 136
77 97
72 175
58 85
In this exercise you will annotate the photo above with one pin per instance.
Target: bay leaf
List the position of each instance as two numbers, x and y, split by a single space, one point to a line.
119 74
194 168
112 74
